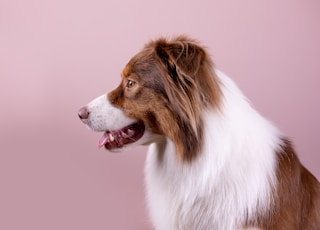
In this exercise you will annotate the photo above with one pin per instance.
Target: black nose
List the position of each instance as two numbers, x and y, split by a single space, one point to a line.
83 113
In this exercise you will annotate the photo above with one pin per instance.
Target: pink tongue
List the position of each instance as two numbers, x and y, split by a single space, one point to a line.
103 140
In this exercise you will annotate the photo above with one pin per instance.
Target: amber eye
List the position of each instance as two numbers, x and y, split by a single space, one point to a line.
130 83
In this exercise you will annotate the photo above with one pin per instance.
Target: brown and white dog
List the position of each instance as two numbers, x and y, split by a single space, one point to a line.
213 161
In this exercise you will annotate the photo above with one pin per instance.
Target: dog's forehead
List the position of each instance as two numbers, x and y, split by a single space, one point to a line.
126 71
131 66
142 64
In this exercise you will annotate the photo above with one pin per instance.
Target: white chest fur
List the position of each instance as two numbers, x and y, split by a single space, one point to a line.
230 181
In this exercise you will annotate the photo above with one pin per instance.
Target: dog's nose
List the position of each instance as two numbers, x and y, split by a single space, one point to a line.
83 113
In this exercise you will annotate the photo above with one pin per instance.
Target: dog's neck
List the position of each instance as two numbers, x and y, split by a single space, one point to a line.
245 175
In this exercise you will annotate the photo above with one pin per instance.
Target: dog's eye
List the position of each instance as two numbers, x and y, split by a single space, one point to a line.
130 84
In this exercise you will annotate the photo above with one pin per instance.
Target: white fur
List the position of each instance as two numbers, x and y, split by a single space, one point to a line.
104 116
230 181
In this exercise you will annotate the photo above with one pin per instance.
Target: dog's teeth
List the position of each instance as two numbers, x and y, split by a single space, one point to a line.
111 137
123 134
130 132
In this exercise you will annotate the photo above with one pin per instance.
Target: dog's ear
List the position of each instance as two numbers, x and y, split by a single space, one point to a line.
181 56
182 59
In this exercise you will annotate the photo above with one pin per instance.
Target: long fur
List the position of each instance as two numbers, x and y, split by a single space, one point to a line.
213 161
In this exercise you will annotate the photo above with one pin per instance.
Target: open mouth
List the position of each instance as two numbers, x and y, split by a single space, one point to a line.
118 138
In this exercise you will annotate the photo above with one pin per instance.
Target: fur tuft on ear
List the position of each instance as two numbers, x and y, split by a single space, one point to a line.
182 54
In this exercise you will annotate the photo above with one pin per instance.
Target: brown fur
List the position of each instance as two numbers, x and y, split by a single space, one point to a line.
296 196
166 71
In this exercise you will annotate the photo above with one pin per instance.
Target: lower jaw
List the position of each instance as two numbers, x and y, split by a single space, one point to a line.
114 146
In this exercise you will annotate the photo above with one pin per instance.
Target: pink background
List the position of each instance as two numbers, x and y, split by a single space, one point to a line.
57 55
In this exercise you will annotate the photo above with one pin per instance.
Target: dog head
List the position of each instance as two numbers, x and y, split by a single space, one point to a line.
163 92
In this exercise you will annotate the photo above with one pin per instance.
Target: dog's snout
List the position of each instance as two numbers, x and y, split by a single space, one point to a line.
83 113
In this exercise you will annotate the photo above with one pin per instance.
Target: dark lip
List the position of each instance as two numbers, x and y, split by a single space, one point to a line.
116 139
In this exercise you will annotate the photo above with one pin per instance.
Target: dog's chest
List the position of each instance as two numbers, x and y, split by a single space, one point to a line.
186 198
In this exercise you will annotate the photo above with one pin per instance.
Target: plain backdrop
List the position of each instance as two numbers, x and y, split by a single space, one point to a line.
57 55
